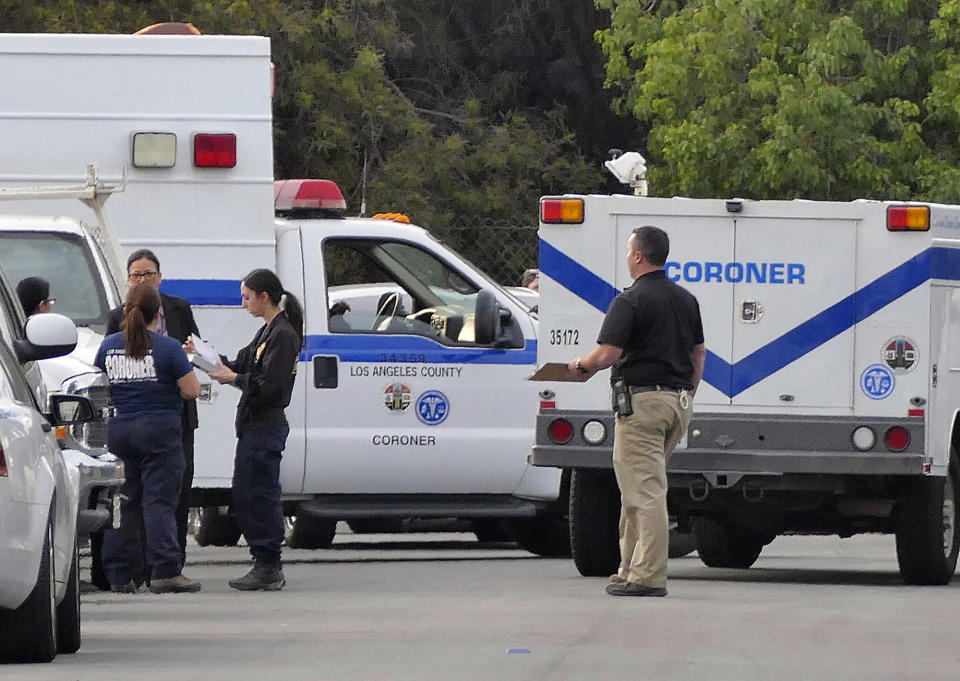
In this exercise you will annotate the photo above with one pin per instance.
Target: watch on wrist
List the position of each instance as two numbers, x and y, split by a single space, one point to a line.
582 369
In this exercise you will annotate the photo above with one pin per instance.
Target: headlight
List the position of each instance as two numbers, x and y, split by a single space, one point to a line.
91 436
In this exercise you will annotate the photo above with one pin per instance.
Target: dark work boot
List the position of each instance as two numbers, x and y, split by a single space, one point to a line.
262 577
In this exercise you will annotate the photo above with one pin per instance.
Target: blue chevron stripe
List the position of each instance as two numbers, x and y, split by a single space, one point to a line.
731 380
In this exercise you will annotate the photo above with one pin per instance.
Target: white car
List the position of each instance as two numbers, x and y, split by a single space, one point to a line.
39 578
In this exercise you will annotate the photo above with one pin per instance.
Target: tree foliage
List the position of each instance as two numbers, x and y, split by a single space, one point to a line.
821 99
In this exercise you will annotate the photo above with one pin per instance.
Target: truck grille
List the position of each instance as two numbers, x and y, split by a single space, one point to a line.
93 435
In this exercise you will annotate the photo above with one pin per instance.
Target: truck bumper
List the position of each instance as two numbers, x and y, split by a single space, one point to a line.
748 444
100 481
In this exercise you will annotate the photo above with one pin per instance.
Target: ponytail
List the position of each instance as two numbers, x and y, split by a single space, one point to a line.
140 310
294 312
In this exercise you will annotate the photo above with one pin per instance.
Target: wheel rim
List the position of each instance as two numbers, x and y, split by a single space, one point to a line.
949 516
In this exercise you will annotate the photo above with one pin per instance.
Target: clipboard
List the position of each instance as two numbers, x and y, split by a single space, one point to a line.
205 356
555 371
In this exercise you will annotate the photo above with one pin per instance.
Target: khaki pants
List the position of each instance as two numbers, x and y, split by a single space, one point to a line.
642 445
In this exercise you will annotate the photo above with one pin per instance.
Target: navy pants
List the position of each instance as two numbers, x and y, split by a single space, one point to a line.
256 491
152 453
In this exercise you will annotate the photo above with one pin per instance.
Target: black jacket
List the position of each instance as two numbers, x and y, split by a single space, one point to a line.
180 324
266 370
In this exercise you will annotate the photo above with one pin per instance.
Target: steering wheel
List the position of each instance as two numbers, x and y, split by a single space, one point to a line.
388 308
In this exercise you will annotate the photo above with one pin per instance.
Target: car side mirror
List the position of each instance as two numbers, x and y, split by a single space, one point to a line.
486 321
48 335
68 410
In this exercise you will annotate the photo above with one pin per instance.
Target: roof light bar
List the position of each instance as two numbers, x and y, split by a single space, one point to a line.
305 194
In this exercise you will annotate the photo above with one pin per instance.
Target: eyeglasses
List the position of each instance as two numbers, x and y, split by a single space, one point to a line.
50 301
142 276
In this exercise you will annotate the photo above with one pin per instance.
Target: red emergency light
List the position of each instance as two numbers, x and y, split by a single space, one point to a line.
300 194
214 150
908 218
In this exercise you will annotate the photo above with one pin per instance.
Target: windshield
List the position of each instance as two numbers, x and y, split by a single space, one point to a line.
63 260
443 282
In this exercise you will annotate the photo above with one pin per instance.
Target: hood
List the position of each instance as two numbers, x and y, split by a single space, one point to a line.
58 370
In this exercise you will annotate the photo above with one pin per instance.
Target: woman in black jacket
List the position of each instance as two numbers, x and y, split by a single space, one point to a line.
264 371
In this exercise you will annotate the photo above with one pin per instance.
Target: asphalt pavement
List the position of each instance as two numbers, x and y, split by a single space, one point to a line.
444 607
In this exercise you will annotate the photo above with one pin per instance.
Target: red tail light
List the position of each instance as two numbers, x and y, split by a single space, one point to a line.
561 431
3 464
897 439
214 151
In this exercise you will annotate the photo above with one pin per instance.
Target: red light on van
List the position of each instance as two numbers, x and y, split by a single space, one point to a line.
3 464
897 438
908 218
565 211
300 194
214 150
561 431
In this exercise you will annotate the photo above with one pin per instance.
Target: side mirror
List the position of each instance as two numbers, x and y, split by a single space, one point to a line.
48 335
68 410
486 321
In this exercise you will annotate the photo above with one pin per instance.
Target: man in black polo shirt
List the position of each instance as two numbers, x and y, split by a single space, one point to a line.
653 333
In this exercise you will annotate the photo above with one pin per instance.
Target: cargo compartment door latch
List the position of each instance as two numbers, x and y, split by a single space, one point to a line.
751 311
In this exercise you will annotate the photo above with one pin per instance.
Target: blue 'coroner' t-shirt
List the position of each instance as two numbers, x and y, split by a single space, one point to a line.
144 386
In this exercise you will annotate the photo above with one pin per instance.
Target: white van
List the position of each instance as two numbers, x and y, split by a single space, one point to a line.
410 406
830 394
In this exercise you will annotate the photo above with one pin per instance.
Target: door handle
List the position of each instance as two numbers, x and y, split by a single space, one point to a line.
325 371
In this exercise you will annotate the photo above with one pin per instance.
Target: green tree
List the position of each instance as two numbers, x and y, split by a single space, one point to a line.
791 98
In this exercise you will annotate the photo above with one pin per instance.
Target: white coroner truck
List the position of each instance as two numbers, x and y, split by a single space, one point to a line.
830 392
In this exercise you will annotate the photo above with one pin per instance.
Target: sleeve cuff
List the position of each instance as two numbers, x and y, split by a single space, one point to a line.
240 381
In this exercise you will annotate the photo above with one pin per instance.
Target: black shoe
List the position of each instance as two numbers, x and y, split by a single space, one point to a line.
262 577
633 589
128 588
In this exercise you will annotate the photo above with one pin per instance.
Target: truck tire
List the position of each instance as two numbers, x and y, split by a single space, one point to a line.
546 535
928 536
594 521
312 533
724 545
681 543
215 528
68 612
29 633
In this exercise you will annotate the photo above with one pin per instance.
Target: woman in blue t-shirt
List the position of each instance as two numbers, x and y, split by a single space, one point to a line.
149 376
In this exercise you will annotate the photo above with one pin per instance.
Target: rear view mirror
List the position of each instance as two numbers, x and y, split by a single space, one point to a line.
68 410
48 335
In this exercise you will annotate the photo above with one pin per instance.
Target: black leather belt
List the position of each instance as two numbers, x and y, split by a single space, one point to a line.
634 389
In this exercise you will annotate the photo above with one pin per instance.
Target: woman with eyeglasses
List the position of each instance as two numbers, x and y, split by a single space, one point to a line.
150 377
34 295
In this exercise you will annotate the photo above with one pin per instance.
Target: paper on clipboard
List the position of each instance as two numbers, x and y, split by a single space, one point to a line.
204 356
555 371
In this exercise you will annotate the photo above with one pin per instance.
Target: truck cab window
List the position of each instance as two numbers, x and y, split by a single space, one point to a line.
64 261
391 287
